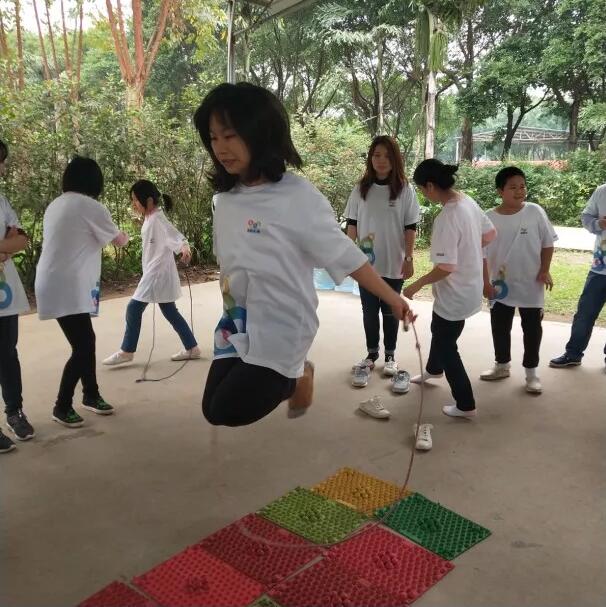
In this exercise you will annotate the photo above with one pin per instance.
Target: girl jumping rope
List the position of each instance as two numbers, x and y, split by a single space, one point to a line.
271 228
160 281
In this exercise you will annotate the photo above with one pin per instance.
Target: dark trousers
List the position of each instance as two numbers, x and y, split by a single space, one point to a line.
81 366
238 394
590 305
10 369
134 315
444 357
371 305
501 321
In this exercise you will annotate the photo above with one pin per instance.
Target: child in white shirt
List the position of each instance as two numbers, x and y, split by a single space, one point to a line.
518 263
271 228
13 301
76 227
459 232
160 281
382 213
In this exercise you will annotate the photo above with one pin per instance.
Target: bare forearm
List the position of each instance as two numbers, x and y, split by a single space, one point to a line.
409 242
13 244
546 256
352 232
435 275
371 281
486 272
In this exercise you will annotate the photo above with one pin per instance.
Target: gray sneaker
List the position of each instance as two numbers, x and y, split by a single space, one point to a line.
361 373
400 383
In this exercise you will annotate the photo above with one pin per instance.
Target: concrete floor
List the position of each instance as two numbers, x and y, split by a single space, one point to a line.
81 508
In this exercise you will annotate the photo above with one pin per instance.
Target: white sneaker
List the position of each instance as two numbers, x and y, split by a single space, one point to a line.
421 379
360 376
400 384
390 368
374 408
533 385
119 358
424 437
192 354
365 362
454 411
497 372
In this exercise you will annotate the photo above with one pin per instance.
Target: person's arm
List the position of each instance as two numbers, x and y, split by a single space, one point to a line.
121 240
438 273
410 235
15 241
544 276
489 291
590 218
368 278
352 230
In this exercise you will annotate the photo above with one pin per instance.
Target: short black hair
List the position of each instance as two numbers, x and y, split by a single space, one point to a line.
504 175
83 175
435 171
260 120
3 151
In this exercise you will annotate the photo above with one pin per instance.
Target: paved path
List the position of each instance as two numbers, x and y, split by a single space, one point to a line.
578 239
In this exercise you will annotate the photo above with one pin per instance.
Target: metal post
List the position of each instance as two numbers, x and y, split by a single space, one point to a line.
231 46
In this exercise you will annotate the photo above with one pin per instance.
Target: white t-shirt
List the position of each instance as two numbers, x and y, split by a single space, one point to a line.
381 223
459 231
597 208
75 229
514 256
268 239
12 294
160 281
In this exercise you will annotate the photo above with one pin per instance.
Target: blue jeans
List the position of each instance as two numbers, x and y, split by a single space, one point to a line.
590 305
134 314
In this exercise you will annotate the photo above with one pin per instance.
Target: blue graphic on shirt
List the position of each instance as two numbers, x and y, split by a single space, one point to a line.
599 256
500 285
6 293
95 294
233 321
368 248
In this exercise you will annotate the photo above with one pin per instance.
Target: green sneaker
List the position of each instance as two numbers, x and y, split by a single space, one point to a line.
68 418
98 406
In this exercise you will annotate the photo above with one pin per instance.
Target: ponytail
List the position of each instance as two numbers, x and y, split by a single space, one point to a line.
167 203
435 171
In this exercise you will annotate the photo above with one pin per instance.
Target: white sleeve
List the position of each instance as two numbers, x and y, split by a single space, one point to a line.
174 239
324 241
351 210
546 231
592 204
99 220
444 242
12 221
214 208
412 210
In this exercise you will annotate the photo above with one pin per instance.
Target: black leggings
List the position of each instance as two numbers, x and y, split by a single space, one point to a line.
10 369
238 394
501 320
78 329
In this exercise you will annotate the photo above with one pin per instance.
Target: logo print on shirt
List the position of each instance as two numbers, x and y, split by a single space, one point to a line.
253 227
523 231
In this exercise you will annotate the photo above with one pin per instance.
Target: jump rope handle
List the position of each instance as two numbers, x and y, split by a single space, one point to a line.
405 324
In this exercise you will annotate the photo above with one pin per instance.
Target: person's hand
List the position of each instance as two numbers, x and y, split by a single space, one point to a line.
401 310
489 291
545 278
410 291
185 254
4 257
408 269
602 223
11 232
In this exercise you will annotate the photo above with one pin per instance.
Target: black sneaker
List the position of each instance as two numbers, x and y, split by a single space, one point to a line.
68 418
20 426
6 444
98 406
564 361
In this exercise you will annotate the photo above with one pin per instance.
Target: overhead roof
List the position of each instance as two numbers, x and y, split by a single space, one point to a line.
279 8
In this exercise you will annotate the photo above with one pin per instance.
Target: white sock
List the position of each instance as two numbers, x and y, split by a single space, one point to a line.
502 365
531 373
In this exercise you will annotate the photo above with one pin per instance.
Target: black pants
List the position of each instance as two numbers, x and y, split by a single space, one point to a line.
371 305
501 320
444 357
78 329
10 369
238 394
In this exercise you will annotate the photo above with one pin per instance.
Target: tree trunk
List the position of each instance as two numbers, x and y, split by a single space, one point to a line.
47 73
467 140
20 68
573 136
68 59
430 115
6 55
51 38
509 133
380 88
